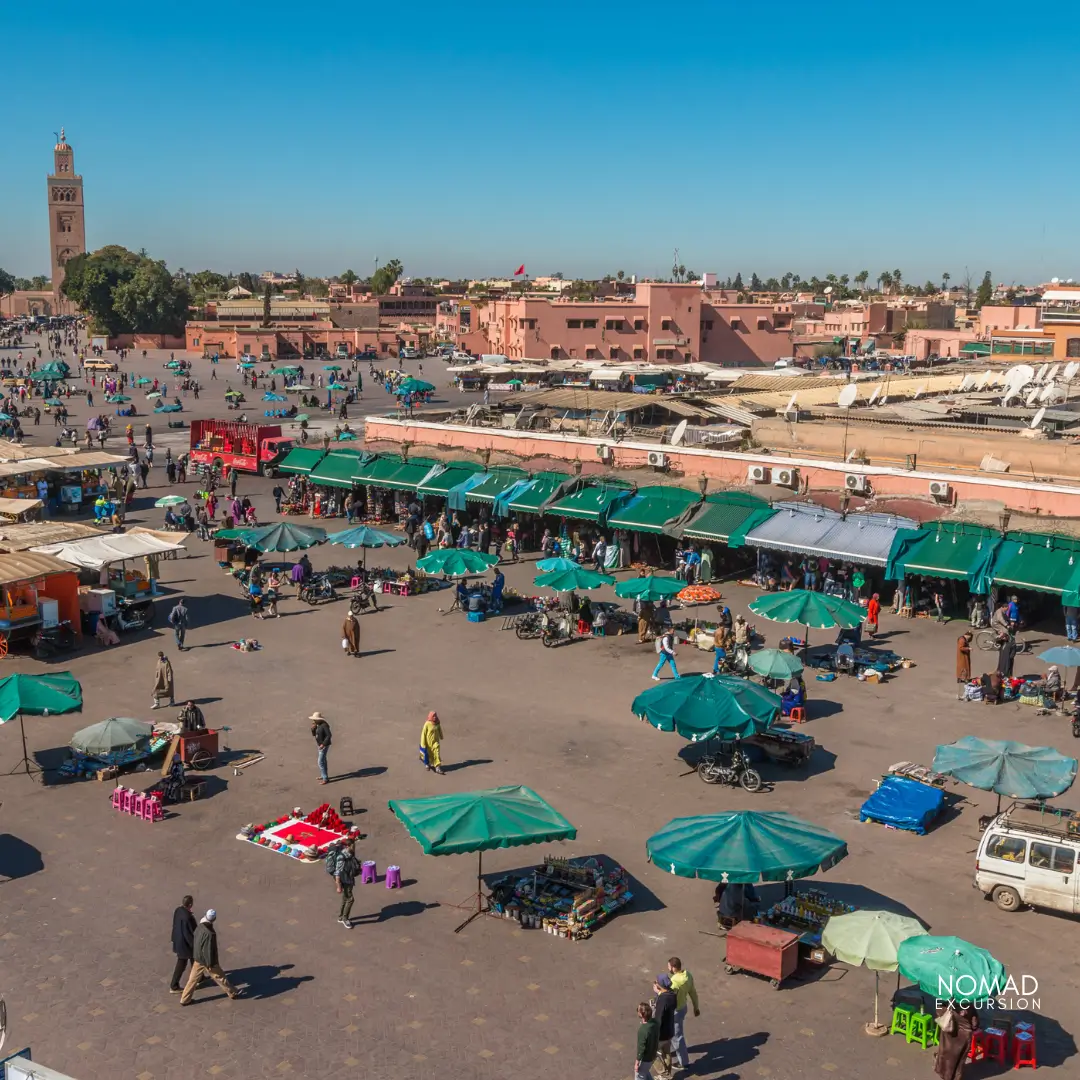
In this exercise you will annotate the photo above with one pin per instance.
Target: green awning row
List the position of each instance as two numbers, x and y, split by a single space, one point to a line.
593 502
1041 562
724 514
651 508
543 487
301 460
337 468
945 550
455 472
495 483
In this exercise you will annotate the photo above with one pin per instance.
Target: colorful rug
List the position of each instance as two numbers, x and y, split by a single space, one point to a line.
306 838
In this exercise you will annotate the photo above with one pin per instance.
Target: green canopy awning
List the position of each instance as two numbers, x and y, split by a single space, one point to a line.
377 470
543 486
725 513
301 460
390 471
652 508
976 348
337 468
946 550
456 472
593 502
494 484
499 817
1041 562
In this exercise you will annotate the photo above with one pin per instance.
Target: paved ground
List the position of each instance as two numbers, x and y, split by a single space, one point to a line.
85 918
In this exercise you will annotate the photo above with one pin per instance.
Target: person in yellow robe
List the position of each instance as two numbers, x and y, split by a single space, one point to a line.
430 740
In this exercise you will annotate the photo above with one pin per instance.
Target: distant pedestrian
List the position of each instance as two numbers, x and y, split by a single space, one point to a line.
144 472
233 477
170 471
431 735
279 494
1072 622
648 1042
873 614
179 620
664 1012
665 646
206 962
682 982
320 731
350 634
163 682
963 663
183 941
346 867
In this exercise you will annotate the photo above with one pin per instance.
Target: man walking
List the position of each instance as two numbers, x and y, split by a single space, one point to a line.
279 494
233 477
320 731
664 1013
183 941
665 646
648 1042
206 960
163 682
179 621
345 870
682 982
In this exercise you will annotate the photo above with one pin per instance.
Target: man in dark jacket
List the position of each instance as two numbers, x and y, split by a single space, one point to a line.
664 1013
205 949
183 941
648 1042
320 731
345 871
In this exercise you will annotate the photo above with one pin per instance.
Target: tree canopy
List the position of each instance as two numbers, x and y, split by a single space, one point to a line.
985 292
125 293
7 283
385 276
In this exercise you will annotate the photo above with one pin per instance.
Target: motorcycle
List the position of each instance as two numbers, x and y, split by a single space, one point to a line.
1076 721
130 618
50 640
736 770
317 591
363 596
557 629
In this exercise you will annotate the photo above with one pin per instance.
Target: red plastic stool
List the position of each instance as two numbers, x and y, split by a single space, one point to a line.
138 804
996 1044
117 797
797 715
977 1048
127 800
1024 1050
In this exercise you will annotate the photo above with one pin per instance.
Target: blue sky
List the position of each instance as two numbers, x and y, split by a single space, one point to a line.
582 138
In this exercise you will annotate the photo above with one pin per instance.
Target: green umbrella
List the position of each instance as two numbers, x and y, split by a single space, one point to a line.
170 500
53 401
413 386
744 846
39 695
118 399
775 664
949 968
234 393
332 367
549 566
481 821
289 369
301 417
456 562
141 381
651 588
573 580
156 394
871 938
810 609
700 707
283 536
363 536
116 733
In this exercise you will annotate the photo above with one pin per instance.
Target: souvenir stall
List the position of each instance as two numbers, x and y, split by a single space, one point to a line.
119 744
567 898
20 510
308 838
36 592
804 912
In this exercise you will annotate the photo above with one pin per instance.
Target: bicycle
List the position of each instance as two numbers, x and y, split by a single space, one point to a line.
991 641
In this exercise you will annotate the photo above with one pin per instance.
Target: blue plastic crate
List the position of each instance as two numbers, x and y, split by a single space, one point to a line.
476 616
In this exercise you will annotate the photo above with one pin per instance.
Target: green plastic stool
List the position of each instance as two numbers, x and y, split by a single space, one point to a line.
901 1019
922 1029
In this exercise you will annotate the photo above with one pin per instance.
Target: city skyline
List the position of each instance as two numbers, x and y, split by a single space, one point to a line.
750 143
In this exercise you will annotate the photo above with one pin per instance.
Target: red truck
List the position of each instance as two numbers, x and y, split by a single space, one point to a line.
253 448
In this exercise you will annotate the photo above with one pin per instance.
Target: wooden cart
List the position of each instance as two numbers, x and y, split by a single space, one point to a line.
762 950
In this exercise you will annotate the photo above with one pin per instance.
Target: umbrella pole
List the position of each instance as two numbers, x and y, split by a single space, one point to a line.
25 764
876 1028
482 906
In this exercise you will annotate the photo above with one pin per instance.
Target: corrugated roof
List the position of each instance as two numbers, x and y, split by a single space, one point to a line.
27 565
816 530
722 514
85 459
22 536
605 400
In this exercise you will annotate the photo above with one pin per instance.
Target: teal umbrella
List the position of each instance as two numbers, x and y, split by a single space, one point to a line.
456 562
283 536
949 968
573 580
650 589
141 381
118 399
332 367
810 609
53 401
700 707
38 695
365 537
109 736
157 393
170 500
775 664
549 566
288 369
744 846
413 386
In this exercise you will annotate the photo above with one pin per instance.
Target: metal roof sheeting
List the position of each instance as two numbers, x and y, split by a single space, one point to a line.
26 566
816 530
605 400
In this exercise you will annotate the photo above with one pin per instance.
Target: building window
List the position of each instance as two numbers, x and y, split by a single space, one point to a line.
588 324
665 324
613 324
613 352
706 324
1072 347
639 324
639 354
573 324
590 354
554 352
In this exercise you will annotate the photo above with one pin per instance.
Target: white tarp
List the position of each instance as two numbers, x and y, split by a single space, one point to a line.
97 551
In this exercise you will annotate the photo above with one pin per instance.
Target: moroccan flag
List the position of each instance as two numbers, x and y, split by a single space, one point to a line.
520 270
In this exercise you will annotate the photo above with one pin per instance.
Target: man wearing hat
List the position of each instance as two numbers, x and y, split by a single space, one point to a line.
664 1014
320 730
206 960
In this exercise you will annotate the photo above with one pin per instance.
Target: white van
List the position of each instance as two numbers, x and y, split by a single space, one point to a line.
1028 855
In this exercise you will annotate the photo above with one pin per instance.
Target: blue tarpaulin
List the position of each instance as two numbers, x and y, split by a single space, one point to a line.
455 497
503 499
1007 768
903 804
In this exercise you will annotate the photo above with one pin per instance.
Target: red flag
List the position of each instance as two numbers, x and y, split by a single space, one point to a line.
520 270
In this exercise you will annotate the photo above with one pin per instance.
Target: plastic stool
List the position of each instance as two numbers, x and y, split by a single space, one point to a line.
127 797
977 1046
922 1029
117 797
367 873
345 807
1024 1050
995 1044
138 803
797 715
901 1019
393 877
356 583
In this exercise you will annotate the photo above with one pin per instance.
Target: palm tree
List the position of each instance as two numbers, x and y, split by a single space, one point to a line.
885 280
861 278
897 277
945 281
682 273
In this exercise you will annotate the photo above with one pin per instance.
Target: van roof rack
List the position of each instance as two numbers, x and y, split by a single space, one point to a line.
1042 818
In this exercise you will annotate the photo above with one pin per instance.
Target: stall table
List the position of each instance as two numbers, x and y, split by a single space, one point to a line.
762 950
198 749
805 914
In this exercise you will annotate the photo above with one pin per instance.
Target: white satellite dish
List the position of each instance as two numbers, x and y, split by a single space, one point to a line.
966 383
678 433
1054 280
984 378
1036 420
873 394
1019 375
884 399
1047 392
1033 393
828 290
1071 368
847 396
1054 368
791 404
1042 373
919 391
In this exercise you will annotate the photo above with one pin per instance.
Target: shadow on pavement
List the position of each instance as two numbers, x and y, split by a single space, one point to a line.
359 774
726 1054
18 859
266 980
402 909
466 764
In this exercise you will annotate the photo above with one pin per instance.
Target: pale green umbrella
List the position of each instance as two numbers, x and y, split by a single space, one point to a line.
170 500
775 664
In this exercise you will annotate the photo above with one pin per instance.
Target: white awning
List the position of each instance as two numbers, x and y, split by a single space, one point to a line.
97 551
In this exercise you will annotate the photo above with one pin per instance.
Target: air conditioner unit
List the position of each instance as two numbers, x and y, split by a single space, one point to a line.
604 452
658 459
758 474
940 489
786 478
856 482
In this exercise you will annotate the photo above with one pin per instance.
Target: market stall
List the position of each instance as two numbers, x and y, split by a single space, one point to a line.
104 749
20 510
36 591
37 695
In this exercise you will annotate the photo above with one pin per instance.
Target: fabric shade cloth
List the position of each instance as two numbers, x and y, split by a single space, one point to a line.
949 967
94 552
1007 768
116 733
578 579
774 664
456 562
650 588
700 707
283 536
301 460
744 846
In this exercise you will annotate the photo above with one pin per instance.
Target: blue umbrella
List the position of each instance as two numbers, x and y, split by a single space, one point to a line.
1063 655
552 566
268 396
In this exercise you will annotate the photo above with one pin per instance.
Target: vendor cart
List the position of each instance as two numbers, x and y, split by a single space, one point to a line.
791 748
199 749
762 950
